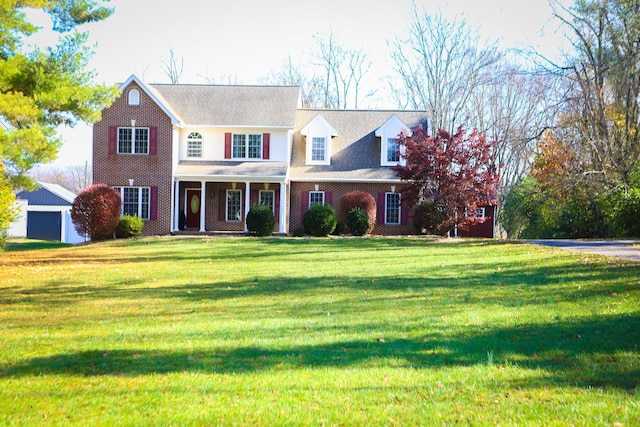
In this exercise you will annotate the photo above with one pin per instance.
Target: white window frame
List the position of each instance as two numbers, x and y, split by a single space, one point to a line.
272 205
144 206
133 97
396 146
386 208
316 193
195 145
318 153
133 148
246 146
238 217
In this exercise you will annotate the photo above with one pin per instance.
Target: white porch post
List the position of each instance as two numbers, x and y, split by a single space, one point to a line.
176 205
202 194
283 199
247 201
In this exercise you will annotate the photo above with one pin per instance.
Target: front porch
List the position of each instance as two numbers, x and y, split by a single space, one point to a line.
220 207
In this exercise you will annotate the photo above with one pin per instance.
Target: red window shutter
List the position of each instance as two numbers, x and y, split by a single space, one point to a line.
153 141
404 210
305 201
276 205
255 196
153 203
113 140
381 206
328 196
227 145
222 205
266 139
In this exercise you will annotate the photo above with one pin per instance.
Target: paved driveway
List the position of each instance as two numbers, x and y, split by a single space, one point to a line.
624 249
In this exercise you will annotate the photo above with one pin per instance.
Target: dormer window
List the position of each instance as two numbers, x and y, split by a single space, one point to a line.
390 149
134 97
318 133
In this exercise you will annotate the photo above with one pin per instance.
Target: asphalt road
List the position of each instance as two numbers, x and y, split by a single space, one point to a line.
624 249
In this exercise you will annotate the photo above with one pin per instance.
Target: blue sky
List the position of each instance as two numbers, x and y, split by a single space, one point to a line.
247 39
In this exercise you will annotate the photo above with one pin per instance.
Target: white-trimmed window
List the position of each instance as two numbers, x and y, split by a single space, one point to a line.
316 198
133 97
318 149
246 146
392 208
135 201
133 140
267 198
194 145
393 150
234 205
481 213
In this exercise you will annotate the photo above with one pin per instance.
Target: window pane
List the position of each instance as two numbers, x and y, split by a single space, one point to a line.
125 136
142 141
194 148
266 198
144 208
392 212
317 149
255 146
393 150
316 198
234 198
239 147
130 201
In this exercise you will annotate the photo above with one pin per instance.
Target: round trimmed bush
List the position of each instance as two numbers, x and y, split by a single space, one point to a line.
260 220
320 220
358 220
298 232
129 226
96 211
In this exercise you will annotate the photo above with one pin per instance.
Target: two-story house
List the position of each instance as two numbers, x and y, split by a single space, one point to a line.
196 157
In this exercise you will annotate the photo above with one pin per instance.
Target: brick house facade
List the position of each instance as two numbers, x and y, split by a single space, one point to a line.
196 157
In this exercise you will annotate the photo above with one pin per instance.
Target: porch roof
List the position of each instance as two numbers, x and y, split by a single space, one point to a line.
227 169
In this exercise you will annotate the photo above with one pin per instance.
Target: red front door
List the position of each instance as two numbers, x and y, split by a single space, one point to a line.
193 209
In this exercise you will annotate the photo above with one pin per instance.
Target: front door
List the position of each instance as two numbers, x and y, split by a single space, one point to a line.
193 209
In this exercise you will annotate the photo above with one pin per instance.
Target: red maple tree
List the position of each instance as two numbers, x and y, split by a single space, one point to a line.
448 177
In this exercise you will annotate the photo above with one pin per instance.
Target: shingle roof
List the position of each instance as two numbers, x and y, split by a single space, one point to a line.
355 151
251 106
229 169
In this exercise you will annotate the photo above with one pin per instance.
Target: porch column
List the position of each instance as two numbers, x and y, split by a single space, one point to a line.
283 218
202 204
176 205
247 202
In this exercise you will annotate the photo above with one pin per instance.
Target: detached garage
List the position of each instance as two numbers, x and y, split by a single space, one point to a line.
49 214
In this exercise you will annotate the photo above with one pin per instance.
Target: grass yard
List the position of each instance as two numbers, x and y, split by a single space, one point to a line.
278 331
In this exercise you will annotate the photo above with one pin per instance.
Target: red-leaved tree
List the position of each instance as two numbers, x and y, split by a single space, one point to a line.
362 200
96 211
448 176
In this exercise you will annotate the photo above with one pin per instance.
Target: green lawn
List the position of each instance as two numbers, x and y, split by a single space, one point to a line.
278 331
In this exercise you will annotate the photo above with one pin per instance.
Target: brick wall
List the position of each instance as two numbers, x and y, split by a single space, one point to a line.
337 191
146 170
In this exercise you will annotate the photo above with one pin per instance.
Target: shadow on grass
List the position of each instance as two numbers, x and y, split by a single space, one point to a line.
600 351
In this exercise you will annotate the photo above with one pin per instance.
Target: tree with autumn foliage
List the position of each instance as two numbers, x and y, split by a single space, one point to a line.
452 172
96 211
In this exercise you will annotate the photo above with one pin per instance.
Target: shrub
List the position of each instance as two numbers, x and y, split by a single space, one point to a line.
96 211
428 218
129 226
320 220
358 221
362 200
260 220
298 232
623 210
340 226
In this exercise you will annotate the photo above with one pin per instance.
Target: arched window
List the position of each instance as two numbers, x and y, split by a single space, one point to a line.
134 97
194 145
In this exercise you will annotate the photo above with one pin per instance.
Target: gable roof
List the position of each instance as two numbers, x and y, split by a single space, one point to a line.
355 151
232 106
155 96
49 195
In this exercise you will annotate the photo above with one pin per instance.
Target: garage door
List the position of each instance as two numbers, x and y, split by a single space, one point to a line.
44 225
